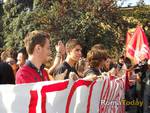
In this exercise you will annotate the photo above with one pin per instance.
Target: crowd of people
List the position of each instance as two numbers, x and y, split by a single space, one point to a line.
33 64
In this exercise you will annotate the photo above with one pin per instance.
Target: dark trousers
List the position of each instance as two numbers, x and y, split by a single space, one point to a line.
147 99
130 96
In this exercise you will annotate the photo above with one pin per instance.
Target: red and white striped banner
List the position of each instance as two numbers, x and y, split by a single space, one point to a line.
137 46
100 96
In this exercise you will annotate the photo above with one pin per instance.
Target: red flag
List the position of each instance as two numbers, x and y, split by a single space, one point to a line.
128 38
138 48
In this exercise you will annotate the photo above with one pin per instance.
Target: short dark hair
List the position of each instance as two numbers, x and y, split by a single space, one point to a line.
33 38
71 43
24 52
122 57
95 57
128 62
98 46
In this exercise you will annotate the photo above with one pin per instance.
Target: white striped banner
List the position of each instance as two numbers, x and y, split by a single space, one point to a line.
101 96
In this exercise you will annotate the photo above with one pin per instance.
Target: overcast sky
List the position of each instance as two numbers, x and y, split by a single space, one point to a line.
133 2
126 3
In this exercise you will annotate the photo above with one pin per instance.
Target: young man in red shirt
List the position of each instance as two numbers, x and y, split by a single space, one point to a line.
38 49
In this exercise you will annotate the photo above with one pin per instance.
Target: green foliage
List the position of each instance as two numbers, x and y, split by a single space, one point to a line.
140 14
1 24
89 21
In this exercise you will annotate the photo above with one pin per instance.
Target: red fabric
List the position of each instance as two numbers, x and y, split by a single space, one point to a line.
51 88
128 38
138 48
27 74
127 84
89 98
33 102
73 89
111 77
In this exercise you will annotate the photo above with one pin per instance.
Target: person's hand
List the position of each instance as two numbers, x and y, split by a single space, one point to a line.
114 72
90 77
60 48
101 76
61 76
73 76
138 78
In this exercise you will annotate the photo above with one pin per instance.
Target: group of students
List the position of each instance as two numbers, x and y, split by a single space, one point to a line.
67 64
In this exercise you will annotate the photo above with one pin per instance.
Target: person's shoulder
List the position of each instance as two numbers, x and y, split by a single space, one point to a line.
64 65
60 69
23 70
23 75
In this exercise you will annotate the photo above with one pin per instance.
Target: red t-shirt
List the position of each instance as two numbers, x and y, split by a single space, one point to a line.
28 74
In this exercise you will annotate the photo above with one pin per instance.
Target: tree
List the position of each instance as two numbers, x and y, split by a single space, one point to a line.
11 23
1 24
138 14
89 21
